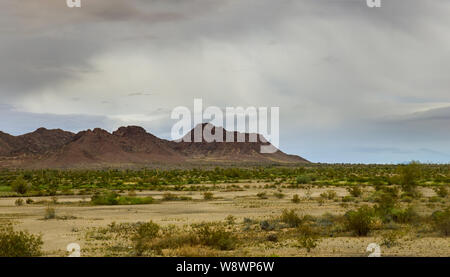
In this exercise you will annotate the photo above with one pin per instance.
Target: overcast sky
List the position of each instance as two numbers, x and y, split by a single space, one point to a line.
353 84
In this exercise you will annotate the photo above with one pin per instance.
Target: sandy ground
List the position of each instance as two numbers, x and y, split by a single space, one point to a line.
58 233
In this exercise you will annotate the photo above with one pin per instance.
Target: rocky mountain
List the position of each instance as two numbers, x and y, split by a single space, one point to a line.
130 147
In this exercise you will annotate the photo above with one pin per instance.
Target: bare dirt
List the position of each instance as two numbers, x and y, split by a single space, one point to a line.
75 217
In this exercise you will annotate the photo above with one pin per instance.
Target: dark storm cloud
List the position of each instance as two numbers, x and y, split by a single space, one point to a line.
353 83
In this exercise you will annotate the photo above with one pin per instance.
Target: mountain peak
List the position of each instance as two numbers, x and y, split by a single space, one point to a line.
130 131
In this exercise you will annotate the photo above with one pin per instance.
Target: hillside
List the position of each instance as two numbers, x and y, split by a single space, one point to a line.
129 147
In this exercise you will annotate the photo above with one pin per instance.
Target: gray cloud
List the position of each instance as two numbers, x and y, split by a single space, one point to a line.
349 80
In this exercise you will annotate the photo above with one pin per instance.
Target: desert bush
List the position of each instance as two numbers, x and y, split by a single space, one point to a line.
355 191
390 238
409 176
290 218
216 237
272 238
109 198
19 243
55 200
230 219
279 195
50 213
208 195
18 202
360 221
329 194
112 198
167 196
303 179
434 199
129 200
441 221
441 191
143 237
261 195
386 199
407 215
295 199
30 201
348 198
173 241
267 225
20 185
308 239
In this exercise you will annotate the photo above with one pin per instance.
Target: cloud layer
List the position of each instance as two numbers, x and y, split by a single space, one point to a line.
353 84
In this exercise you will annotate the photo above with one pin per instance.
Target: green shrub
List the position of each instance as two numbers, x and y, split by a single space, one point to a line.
290 218
441 220
434 199
169 196
50 213
407 215
208 195
267 226
262 195
390 239
387 200
19 243
308 239
272 238
329 194
295 199
348 198
216 237
112 198
20 185
355 191
230 219
109 198
303 179
30 201
129 200
143 237
360 221
409 176
279 195
441 191
19 202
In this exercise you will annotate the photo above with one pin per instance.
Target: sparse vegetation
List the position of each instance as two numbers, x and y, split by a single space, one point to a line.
262 195
50 213
295 199
112 198
355 191
441 191
291 218
360 221
208 195
19 202
216 237
19 243
330 195
383 201
441 220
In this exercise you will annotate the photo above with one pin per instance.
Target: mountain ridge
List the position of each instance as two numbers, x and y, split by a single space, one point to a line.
129 146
